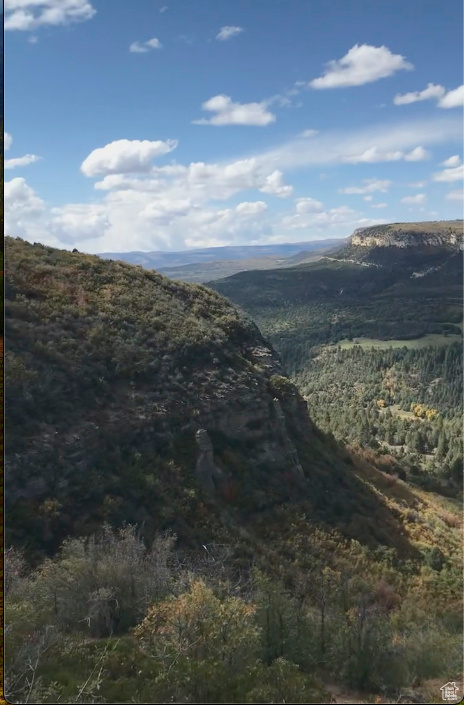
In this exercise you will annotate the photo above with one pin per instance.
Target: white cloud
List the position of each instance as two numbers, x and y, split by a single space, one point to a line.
454 174
379 205
274 185
414 200
230 113
455 160
362 64
79 222
144 47
417 184
367 198
375 154
248 208
19 194
455 195
27 15
431 92
121 182
21 161
201 182
453 99
417 155
24 211
165 209
125 157
450 99
308 205
228 32
7 141
370 185
163 9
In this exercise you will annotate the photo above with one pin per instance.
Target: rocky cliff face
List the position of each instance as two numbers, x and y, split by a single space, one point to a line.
416 248
436 234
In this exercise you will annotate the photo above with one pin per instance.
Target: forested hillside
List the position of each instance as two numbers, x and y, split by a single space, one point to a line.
404 402
179 530
372 336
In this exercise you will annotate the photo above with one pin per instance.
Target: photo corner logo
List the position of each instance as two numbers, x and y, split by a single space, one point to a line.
449 692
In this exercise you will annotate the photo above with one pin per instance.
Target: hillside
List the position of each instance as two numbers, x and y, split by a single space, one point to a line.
111 372
264 557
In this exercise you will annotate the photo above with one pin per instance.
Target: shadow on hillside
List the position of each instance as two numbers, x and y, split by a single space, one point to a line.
351 496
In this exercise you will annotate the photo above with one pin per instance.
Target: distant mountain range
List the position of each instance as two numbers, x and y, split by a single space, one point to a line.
213 263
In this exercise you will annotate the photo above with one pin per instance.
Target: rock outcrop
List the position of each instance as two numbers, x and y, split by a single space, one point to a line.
413 247
208 474
435 234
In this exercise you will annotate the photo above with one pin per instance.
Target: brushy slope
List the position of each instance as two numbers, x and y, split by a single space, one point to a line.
111 370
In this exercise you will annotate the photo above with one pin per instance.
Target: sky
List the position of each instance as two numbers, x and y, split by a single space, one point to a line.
177 124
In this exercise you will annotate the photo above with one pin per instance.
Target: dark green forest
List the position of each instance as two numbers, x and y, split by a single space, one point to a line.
407 402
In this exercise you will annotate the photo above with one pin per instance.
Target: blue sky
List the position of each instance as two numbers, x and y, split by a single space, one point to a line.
174 124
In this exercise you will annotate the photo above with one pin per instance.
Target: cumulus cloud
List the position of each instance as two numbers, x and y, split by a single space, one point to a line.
414 200
248 208
454 174
379 205
432 91
417 155
450 99
455 160
228 32
177 216
24 211
21 161
455 195
370 185
229 113
79 222
362 64
274 185
125 156
27 15
19 195
144 47
7 141
453 99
